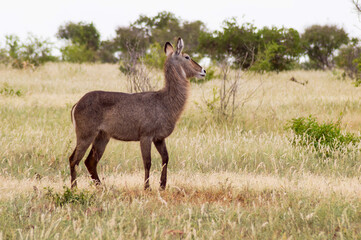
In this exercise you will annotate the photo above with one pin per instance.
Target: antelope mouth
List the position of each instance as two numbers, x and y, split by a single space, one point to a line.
200 75
203 73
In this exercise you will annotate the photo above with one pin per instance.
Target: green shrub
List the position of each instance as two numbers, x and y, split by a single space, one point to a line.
357 83
36 51
70 197
78 54
6 90
32 53
311 132
275 57
155 57
357 62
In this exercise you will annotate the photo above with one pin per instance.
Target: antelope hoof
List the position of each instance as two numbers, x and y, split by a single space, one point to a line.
96 182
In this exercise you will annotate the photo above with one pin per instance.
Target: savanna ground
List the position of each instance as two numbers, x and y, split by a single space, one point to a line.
227 179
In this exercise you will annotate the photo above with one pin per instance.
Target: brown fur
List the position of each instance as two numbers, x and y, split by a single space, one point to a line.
146 117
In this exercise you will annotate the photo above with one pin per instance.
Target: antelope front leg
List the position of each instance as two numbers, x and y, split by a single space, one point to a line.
145 146
162 149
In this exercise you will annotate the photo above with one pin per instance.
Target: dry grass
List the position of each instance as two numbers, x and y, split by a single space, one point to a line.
197 187
227 180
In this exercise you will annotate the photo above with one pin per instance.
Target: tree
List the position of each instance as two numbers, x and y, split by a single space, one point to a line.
190 33
146 31
80 33
163 27
85 41
160 28
106 52
357 5
321 42
131 38
270 49
348 58
239 43
279 49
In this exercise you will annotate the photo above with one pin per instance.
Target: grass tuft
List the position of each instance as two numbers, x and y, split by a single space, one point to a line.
70 196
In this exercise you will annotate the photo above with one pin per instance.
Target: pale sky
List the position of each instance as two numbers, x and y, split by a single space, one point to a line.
43 17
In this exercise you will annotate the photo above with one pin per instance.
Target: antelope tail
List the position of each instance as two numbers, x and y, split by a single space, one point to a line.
72 115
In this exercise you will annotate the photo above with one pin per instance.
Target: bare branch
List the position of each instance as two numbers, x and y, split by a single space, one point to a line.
136 72
357 5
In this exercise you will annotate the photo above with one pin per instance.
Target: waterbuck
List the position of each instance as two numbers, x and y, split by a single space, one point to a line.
145 117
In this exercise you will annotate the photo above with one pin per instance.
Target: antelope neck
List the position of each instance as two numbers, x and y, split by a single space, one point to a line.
175 90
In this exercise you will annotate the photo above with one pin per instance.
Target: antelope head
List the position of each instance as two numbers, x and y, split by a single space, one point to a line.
182 61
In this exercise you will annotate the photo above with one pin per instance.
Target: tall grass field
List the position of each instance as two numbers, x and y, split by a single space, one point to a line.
249 176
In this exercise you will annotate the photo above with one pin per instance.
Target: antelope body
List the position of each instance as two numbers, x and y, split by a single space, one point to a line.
146 117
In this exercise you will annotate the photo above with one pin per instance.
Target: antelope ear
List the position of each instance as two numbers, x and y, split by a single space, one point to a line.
180 45
168 48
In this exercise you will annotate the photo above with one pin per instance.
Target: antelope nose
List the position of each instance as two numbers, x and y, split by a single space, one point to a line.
204 71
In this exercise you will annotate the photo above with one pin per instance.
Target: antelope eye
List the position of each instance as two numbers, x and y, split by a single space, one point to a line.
187 57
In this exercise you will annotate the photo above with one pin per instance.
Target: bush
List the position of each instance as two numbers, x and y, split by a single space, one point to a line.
70 197
310 132
279 50
78 54
36 51
155 57
273 59
31 53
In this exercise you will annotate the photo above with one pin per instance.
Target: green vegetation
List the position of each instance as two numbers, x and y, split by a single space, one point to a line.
320 44
267 49
310 132
6 90
348 58
70 197
85 42
239 42
78 54
28 54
